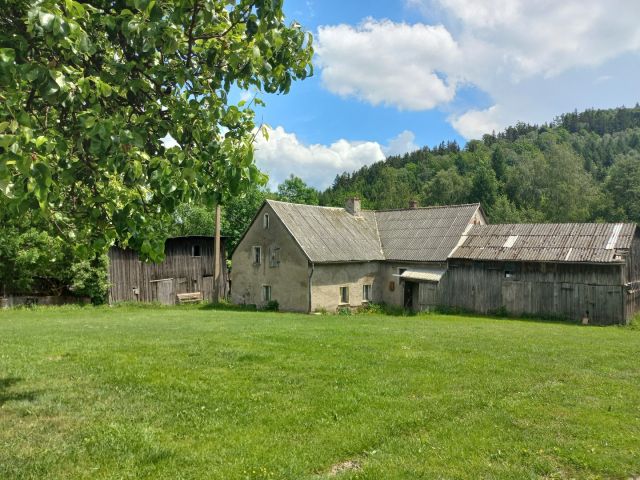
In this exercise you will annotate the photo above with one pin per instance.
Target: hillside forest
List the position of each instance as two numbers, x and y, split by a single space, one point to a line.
581 167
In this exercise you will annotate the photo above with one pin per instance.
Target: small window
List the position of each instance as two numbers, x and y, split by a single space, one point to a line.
257 255
274 257
265 221
511 271
195 250
366 293
266 293
401 271
344 294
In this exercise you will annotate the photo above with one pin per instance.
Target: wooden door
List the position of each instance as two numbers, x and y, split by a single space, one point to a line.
408 295
207 289
428 295
164 292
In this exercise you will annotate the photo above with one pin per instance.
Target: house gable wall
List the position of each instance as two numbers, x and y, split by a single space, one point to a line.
289 280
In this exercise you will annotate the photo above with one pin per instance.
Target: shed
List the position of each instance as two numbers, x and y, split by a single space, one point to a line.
570 271
187 268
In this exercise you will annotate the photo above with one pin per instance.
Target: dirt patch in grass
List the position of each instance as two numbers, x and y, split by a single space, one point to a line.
342 467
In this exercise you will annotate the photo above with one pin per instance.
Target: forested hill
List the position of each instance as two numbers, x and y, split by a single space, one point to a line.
581 167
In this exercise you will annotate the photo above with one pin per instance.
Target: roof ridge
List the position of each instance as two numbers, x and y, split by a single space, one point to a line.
428 208
553 223
269 200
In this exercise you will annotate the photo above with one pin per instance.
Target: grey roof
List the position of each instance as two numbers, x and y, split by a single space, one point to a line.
328 234
571 242
423 234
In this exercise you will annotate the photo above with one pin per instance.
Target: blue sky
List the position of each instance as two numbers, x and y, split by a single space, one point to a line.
395 75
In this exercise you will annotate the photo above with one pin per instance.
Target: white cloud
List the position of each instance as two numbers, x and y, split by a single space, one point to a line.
375 60
284 154
517 51
475 123
403 143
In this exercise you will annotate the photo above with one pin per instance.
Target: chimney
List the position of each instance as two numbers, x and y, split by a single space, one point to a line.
353 206
413 204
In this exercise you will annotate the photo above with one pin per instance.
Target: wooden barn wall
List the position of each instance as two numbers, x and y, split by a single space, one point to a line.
633 260
537 289
189 274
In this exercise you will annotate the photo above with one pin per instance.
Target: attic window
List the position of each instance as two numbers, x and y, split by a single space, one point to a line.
195 250
265 221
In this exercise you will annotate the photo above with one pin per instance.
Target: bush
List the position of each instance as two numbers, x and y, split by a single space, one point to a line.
371 309
90 279
272 306
344 311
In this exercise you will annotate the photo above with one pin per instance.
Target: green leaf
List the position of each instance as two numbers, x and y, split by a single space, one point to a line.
7 55
46 20
7 140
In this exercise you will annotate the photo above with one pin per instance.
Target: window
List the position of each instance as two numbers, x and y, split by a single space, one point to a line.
265 221
257 255
401 271
366 293
511 271
266 293
195 250
274 256
344 294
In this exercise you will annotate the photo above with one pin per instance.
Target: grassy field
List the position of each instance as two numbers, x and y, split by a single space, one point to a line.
194 393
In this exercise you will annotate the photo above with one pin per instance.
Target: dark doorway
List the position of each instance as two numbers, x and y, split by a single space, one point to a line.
408 294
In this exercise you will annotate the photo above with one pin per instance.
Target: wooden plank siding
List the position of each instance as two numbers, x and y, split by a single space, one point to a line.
132 280
556 290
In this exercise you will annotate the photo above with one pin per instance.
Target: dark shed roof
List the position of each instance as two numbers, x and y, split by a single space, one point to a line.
569 242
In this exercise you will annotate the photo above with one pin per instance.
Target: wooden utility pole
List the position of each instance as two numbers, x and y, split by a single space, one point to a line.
216 258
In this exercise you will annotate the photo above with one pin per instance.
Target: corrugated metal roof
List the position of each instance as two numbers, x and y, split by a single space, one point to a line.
424 274
423 234
328 234
568 242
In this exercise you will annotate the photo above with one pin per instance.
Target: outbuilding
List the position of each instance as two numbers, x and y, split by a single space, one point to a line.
187 268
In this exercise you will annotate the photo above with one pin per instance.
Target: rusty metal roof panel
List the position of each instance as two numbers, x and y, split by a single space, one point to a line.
586 242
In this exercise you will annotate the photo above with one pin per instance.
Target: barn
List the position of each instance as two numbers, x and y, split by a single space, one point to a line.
572 271
187 268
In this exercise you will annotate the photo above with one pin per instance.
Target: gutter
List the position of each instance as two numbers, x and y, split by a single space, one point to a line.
310 283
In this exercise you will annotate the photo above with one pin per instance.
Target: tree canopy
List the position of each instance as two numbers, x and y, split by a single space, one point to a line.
88 90
582 167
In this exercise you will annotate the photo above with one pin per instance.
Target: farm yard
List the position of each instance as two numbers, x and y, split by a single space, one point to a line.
190 392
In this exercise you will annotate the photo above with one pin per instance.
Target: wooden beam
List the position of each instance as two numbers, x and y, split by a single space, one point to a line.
216 258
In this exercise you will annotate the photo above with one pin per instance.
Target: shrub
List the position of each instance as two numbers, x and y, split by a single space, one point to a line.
90 279
371 308
272 306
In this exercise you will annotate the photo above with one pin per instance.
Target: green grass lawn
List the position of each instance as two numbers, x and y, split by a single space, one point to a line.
182 393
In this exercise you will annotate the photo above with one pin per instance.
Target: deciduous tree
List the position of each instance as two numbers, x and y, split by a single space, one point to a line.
89 88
